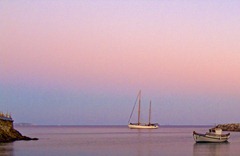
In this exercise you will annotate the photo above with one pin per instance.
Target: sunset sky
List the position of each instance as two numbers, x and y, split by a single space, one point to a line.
71 62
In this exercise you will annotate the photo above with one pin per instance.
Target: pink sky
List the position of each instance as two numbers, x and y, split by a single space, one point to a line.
173 46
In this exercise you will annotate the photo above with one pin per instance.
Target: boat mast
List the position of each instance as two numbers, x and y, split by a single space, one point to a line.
136 101
150 107
139 107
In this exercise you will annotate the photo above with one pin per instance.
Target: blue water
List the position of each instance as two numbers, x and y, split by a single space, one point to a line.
116 141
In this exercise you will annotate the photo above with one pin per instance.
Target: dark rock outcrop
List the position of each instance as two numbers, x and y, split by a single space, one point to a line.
9 134
229 127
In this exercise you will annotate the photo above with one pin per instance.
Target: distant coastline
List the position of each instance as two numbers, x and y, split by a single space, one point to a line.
225 127
23 124
164 126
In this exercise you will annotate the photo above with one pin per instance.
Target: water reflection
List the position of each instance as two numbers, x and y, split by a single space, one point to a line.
211 149
144 142
6 149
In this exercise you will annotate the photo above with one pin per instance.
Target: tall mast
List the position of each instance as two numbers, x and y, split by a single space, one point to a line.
150 107
139 107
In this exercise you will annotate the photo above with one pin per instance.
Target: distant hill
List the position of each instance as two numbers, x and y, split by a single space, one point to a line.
23 124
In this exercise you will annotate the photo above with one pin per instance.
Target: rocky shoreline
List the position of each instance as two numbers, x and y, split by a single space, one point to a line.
9 134
229 127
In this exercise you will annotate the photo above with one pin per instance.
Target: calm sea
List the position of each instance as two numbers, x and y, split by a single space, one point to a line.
116 141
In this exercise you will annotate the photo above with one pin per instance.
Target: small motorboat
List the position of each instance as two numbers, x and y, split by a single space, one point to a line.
213 136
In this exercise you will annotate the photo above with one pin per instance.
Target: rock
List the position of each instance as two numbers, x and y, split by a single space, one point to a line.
229 127
9 134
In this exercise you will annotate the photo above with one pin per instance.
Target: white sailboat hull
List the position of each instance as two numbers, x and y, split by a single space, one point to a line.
210 138
133 126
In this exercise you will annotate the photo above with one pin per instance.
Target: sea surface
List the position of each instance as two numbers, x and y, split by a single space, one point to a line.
117 141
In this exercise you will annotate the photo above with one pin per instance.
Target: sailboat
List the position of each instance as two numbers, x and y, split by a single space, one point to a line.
140 125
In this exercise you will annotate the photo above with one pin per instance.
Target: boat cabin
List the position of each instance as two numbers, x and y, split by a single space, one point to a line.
217 131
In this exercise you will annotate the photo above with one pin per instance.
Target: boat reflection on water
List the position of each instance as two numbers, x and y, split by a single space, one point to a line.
6 149
211 149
